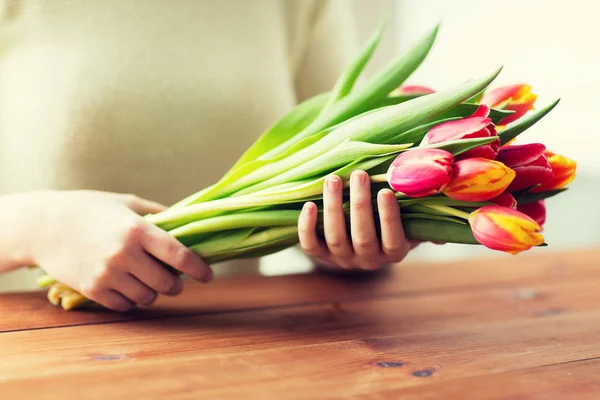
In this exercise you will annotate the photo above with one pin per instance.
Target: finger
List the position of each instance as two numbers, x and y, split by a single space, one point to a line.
170 251
111 299
334 221
154 275
142 206
130 287
362 224
393 240
307 232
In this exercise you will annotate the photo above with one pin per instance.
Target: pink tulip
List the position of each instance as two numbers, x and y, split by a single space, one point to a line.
477 125
420 172
529 162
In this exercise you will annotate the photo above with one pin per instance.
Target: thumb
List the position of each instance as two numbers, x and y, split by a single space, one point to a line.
142 206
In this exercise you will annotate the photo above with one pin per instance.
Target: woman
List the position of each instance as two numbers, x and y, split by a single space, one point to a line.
158 99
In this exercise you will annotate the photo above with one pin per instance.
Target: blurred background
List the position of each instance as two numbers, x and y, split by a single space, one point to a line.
551 47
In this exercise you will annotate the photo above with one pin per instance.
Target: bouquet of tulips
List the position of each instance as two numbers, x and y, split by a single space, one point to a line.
449 155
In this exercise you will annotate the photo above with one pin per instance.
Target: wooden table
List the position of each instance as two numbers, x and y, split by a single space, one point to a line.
525 327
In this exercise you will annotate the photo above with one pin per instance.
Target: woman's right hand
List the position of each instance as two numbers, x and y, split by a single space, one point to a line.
98 244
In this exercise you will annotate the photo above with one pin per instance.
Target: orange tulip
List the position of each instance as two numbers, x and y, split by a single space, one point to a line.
505 229
478 179
563 170
517 98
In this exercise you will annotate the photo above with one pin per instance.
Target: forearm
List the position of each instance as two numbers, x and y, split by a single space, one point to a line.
17 220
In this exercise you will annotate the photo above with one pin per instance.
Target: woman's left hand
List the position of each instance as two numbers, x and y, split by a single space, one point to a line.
363 249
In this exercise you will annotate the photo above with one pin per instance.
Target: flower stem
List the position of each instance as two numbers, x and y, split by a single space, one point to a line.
449 210
378 178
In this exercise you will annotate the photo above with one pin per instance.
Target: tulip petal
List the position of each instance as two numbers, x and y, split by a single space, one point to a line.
460 129
520 154
505 200
563 169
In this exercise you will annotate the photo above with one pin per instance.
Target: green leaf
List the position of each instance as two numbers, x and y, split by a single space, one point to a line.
257 219
417 134
533 197
342 154
288 126
438 231
378 126
521 125
417 215
395 100
369 95
466 109
174 218
348 78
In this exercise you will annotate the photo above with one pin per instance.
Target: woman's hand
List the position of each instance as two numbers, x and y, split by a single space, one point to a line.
363 249
98 244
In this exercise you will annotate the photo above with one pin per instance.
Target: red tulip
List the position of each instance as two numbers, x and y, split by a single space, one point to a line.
478 179
501 228
505 200
413 89
535 210
519 99
563 170
477 125
529 162
420 172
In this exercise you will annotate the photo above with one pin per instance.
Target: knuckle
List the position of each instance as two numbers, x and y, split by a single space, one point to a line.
114 260
92 291
335 243
364 244
165 283
312 251
182 257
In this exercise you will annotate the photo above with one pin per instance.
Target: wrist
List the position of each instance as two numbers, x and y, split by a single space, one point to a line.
20 215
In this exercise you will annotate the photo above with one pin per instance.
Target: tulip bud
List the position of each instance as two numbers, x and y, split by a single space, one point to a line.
519 99
504 229
563 170
478 179
529 162
505 200
405 90
477 125
420 172
535 210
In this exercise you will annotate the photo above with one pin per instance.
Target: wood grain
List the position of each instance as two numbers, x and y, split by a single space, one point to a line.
23 311
525 330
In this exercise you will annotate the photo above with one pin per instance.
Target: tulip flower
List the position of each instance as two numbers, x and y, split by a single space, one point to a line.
517 98
563 170
476 126
535 210
420 172
501 228
529 162
505 200
478 179
413 89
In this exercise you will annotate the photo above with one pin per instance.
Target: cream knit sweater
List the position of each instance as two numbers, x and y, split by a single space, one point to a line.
153 97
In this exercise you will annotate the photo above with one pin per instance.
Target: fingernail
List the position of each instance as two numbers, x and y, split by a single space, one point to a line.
209 277
359 177
333 182
307 208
